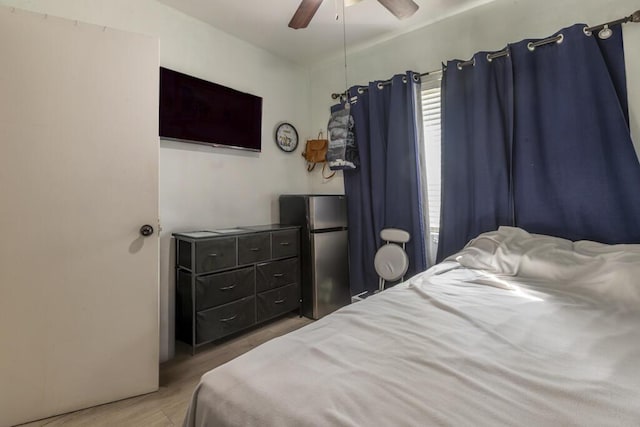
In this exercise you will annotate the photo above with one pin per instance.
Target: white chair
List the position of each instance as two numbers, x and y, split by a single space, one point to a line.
391 261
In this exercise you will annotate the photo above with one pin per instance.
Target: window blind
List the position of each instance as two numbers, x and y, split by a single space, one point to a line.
431 90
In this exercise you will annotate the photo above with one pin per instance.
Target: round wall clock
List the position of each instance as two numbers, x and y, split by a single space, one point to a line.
286 137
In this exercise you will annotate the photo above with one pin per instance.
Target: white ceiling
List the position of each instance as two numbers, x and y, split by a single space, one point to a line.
264 23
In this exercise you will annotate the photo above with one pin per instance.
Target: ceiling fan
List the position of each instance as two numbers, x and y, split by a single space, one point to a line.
399 8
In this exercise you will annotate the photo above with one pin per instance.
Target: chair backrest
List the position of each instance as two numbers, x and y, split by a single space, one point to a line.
395 235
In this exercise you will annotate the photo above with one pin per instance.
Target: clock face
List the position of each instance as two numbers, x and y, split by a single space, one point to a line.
286 137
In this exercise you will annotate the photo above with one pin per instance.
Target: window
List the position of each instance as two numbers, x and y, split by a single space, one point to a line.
430 93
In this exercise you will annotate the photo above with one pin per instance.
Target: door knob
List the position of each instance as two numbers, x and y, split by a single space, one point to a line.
146 230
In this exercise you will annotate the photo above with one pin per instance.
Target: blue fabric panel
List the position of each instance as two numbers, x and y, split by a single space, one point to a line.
575 171
403 201
477 118
363 241
613 55
384 191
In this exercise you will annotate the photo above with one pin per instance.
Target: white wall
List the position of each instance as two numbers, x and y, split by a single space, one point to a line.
487 27
200 186
204 187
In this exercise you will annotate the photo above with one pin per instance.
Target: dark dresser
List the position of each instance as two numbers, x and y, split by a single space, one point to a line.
231 279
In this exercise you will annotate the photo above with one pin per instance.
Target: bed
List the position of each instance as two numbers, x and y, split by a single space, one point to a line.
516 329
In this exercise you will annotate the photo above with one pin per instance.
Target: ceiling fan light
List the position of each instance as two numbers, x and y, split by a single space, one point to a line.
348 3
401 9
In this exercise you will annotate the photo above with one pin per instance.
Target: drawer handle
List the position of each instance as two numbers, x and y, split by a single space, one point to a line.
278 275
255 249
229 319
226 288
284 243
280 301
213 255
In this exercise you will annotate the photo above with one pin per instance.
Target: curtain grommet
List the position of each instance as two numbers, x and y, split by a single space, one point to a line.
462 64
416 78
531 46
560 38
586 31
380 85
605 32
489 58
360 91
404 79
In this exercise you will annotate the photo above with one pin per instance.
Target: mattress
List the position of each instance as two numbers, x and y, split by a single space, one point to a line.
516 329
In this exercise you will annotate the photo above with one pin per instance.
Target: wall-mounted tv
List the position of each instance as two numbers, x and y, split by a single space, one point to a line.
202 112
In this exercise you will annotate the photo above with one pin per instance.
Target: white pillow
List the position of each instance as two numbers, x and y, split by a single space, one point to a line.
610 272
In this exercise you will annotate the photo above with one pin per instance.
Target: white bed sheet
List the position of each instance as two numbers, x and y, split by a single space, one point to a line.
451 346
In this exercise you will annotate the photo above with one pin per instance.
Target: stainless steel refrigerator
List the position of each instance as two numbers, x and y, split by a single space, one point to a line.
325 263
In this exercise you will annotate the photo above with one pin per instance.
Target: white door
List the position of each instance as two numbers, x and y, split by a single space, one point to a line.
78 178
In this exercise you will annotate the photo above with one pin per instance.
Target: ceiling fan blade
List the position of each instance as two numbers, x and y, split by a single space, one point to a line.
400 8
304 14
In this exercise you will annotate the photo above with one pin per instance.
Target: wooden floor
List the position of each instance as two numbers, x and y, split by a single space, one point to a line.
178 378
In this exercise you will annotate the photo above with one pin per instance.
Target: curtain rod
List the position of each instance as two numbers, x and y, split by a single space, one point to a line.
634 17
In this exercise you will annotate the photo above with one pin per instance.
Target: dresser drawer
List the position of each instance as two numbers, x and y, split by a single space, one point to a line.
285 243
277 301
215 254
277 273
221 288
224 320
254 248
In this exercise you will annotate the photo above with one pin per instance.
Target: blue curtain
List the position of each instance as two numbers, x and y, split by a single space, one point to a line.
362 217
477 110
385 190
576 173
554 155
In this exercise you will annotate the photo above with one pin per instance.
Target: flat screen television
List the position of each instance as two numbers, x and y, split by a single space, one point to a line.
202 112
